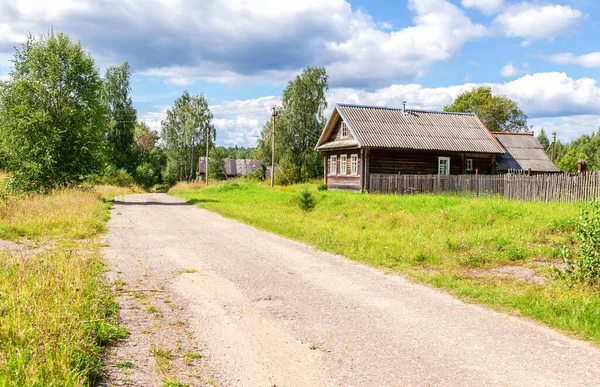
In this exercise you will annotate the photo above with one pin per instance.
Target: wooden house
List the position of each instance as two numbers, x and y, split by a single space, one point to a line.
523 153
360 140
233 167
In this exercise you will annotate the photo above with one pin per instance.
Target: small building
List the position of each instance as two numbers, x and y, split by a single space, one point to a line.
523 154
233 167
361 140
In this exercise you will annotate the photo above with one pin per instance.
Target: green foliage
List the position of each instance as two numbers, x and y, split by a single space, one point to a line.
584 264
145 139
258 175
112 176
543 139
216 165
235 152
145 175
184 132
298 126
287 172
121 116
322 187
52 117
499 113
586 147
306 200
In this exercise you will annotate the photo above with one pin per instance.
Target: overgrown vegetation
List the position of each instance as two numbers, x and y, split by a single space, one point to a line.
56 310
583 263
452 242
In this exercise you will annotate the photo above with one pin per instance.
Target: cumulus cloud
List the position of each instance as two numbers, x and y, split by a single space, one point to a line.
549 99
591 60
241 40
509 71
536 22
488 7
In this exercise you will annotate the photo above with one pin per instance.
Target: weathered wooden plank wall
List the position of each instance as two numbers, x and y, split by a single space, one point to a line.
542 188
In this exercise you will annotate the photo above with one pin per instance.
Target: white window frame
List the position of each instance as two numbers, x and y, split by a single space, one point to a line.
354 164
344 129
343 164
447 159
333 165
469 164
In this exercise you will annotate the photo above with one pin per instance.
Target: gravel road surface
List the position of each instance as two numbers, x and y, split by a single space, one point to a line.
267 311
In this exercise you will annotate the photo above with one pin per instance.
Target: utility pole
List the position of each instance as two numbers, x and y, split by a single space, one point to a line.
206 159
553 145
274 114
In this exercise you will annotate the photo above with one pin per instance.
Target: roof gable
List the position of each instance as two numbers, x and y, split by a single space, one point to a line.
381 127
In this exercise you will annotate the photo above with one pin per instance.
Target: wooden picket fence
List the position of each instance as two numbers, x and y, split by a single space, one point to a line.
544 188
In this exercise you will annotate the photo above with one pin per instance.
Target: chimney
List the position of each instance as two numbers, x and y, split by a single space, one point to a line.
404 107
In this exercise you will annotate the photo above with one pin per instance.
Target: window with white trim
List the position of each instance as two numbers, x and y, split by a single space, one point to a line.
333 165
343 164
469 164
444 166
354 164
344 129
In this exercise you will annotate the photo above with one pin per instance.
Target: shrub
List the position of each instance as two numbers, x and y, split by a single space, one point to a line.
322 187
306 200
112 176
584 263
286 173
144 175
258 175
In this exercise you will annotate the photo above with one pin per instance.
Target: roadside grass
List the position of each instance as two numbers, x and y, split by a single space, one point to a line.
451 242
56 308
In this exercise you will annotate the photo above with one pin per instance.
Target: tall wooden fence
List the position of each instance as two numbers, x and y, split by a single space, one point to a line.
545 188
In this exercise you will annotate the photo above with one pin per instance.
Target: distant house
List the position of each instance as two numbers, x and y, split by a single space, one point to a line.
233 167
361 140
523 153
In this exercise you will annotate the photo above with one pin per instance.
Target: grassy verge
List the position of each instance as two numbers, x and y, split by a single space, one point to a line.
452 242
56 311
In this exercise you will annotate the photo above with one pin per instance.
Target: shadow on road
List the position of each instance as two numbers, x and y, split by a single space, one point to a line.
150 203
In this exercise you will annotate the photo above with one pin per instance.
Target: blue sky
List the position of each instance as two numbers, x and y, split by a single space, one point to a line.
241 53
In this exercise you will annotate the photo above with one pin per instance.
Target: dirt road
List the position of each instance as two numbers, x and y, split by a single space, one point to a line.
266 311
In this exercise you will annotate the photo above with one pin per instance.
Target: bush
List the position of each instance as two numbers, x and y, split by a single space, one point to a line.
144 175
112 176
322 187
584 263
306 200
258 175
286 173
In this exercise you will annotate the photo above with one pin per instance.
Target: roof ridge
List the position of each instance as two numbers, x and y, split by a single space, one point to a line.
400 109
514 133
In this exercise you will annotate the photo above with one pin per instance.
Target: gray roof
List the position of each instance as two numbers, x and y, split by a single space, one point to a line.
343 144
381 127
235 167
524 152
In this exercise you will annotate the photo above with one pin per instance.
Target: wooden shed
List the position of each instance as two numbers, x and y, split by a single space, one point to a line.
360 140
523 153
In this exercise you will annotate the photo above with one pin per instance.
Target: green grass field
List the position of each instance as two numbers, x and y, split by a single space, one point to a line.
56 310
447 241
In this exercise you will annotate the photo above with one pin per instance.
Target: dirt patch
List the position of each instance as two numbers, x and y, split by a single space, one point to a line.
11 246
513 272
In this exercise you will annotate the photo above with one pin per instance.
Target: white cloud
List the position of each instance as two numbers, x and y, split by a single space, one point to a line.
488 7
509 71
591 60
242 40
552 100
535 22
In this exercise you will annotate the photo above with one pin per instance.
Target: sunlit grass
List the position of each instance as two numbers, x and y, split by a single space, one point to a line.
56 310
447 241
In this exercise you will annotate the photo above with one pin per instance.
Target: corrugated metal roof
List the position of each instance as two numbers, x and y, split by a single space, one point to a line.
381 127
234 167
524 152
338 145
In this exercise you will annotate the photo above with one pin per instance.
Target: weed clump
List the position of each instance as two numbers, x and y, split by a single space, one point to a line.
322 187
583 264
306 200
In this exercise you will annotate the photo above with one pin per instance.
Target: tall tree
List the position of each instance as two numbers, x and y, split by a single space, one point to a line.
184 132
122 116
298 126
52 117
543 139
499 113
